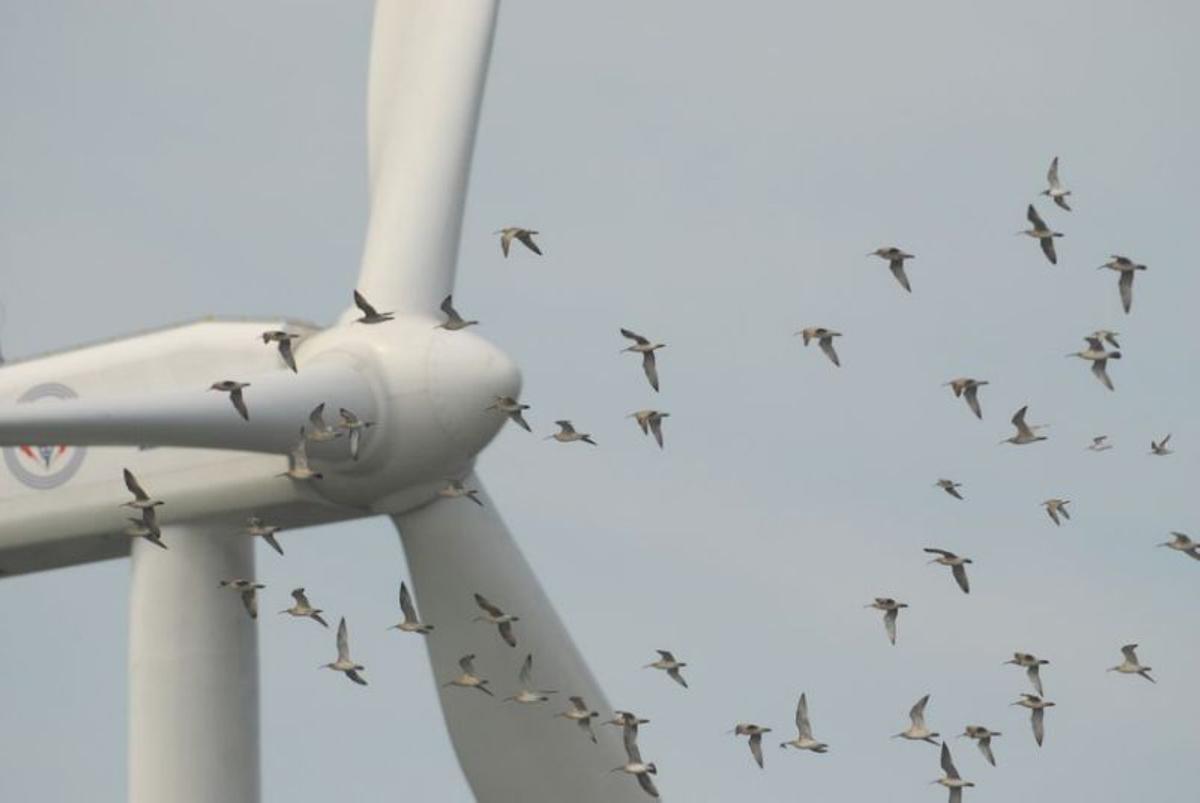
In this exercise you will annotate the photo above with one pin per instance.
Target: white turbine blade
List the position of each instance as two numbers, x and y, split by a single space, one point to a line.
193 669
279 404
454 551
428 65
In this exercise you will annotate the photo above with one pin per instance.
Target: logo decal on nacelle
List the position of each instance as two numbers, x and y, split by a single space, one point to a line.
44 467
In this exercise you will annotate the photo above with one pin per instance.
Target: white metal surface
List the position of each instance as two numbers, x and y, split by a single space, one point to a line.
509 752
193 670
429 63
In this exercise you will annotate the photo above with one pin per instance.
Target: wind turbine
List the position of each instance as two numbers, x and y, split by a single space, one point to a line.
193 663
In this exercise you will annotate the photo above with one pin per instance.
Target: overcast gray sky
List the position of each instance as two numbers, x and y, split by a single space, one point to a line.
712 175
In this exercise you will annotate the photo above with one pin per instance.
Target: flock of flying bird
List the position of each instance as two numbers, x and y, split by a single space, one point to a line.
650 422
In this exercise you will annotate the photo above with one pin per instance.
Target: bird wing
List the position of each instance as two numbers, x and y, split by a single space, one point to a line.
1038 718
1100 369
634 336
1125 285
270 539
677 677
646 783
506 237
348 416
629 732
826 344
406 604
526 673
802 723
960 576
756 748
1052 514
467 662
948 763
354 442
482 602
973 400
317 418
656 427
299 596
1128 652
1035 678
526 238
506 633
897 268
135 487
889 623
985 747
239 403
651 368
448 307
1018 421
1052 175
343 641
955 794
1048 249
250 601
1094 343
285 351
666 655
578 704
362 304
520 420
357 678
917 712
566 427
1032 215
944 553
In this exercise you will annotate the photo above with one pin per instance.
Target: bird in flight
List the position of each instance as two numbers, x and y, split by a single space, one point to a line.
141 500
302 608
755 732
248 589
643 346
257 527
1055 191
650 421
1127 268
891 610
411 622
494 616
467 679
957 566
234 389
369 313
566 434
968 389
1032 665
453 321
284 341
824 338
343 662
1042 233
513 409
523 236
1131 666
667 663
917 731
805 740
895 259
1025 432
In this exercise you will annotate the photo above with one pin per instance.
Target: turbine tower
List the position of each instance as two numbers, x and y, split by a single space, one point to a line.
193 664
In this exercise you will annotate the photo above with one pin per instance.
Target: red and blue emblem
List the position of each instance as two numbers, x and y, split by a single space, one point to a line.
39 466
